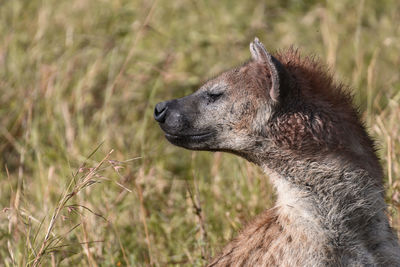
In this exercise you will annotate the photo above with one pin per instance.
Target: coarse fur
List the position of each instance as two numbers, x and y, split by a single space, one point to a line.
286 114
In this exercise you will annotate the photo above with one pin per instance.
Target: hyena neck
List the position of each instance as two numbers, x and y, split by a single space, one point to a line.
336 205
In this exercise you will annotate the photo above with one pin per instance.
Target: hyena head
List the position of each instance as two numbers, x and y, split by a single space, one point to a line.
269 108
230 112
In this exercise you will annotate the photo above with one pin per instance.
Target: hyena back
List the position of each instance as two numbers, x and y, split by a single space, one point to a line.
287 115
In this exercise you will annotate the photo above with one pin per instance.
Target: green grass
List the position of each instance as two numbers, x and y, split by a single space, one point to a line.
76 74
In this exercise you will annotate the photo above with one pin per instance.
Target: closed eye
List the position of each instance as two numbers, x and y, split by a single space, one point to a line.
214 96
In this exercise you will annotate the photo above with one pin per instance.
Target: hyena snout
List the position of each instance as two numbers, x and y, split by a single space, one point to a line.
171 117
182 123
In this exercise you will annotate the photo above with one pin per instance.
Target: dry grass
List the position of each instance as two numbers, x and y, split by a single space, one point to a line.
74 74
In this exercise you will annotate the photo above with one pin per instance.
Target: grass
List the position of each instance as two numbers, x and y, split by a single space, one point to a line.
76 74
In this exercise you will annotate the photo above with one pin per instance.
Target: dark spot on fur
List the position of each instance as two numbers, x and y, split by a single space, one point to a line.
258 144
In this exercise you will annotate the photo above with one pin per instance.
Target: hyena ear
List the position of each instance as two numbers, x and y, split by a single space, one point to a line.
278 72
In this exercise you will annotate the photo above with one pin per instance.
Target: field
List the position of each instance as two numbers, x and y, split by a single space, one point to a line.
86 176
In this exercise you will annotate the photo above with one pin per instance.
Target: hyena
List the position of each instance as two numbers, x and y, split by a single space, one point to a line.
286 114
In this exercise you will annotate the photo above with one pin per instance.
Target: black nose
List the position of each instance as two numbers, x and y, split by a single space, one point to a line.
160 112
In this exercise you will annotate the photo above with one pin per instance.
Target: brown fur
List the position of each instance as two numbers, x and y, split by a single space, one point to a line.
266 239
255 239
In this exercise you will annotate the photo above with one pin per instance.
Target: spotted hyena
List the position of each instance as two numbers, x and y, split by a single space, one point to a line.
287 115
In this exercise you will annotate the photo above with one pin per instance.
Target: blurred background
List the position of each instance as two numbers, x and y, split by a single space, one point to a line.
86 176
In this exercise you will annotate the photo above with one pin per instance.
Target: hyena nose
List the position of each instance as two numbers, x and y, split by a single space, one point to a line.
160 112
